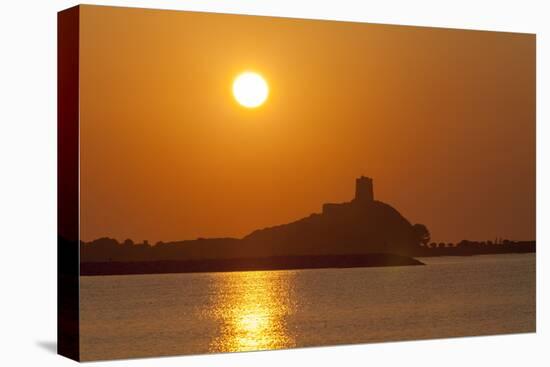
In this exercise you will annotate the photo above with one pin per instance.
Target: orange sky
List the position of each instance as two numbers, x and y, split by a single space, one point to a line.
443 120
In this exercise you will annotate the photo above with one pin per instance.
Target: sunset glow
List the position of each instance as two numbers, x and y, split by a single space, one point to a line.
226 130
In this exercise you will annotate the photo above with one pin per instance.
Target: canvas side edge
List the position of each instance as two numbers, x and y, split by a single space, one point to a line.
68 323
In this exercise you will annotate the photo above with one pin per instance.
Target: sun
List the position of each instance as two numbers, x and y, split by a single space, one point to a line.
250 89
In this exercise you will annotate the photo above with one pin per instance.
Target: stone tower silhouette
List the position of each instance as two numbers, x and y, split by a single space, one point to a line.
364 191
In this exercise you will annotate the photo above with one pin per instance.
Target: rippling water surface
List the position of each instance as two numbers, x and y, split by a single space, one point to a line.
166 314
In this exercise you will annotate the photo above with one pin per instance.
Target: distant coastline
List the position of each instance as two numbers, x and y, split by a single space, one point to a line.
471 248
362 232
149 262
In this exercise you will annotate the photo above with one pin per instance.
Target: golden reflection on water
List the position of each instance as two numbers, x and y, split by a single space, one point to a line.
252 309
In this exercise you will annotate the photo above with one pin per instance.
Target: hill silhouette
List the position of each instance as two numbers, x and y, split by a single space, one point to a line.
350 228
360 226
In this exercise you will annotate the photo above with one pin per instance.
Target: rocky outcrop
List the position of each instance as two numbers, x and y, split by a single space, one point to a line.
349 228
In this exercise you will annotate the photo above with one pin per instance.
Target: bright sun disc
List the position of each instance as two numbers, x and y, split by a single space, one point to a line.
250 89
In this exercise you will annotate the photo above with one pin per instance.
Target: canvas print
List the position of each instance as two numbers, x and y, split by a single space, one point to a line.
233 183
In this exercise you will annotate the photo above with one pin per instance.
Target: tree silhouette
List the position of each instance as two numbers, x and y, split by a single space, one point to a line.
421 233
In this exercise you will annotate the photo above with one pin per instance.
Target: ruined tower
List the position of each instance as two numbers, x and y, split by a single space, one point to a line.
364 191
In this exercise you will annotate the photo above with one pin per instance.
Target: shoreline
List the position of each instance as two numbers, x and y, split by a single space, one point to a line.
481 254
245 264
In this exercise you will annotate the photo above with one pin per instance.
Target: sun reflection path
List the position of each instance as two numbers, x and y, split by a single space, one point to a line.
252 310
